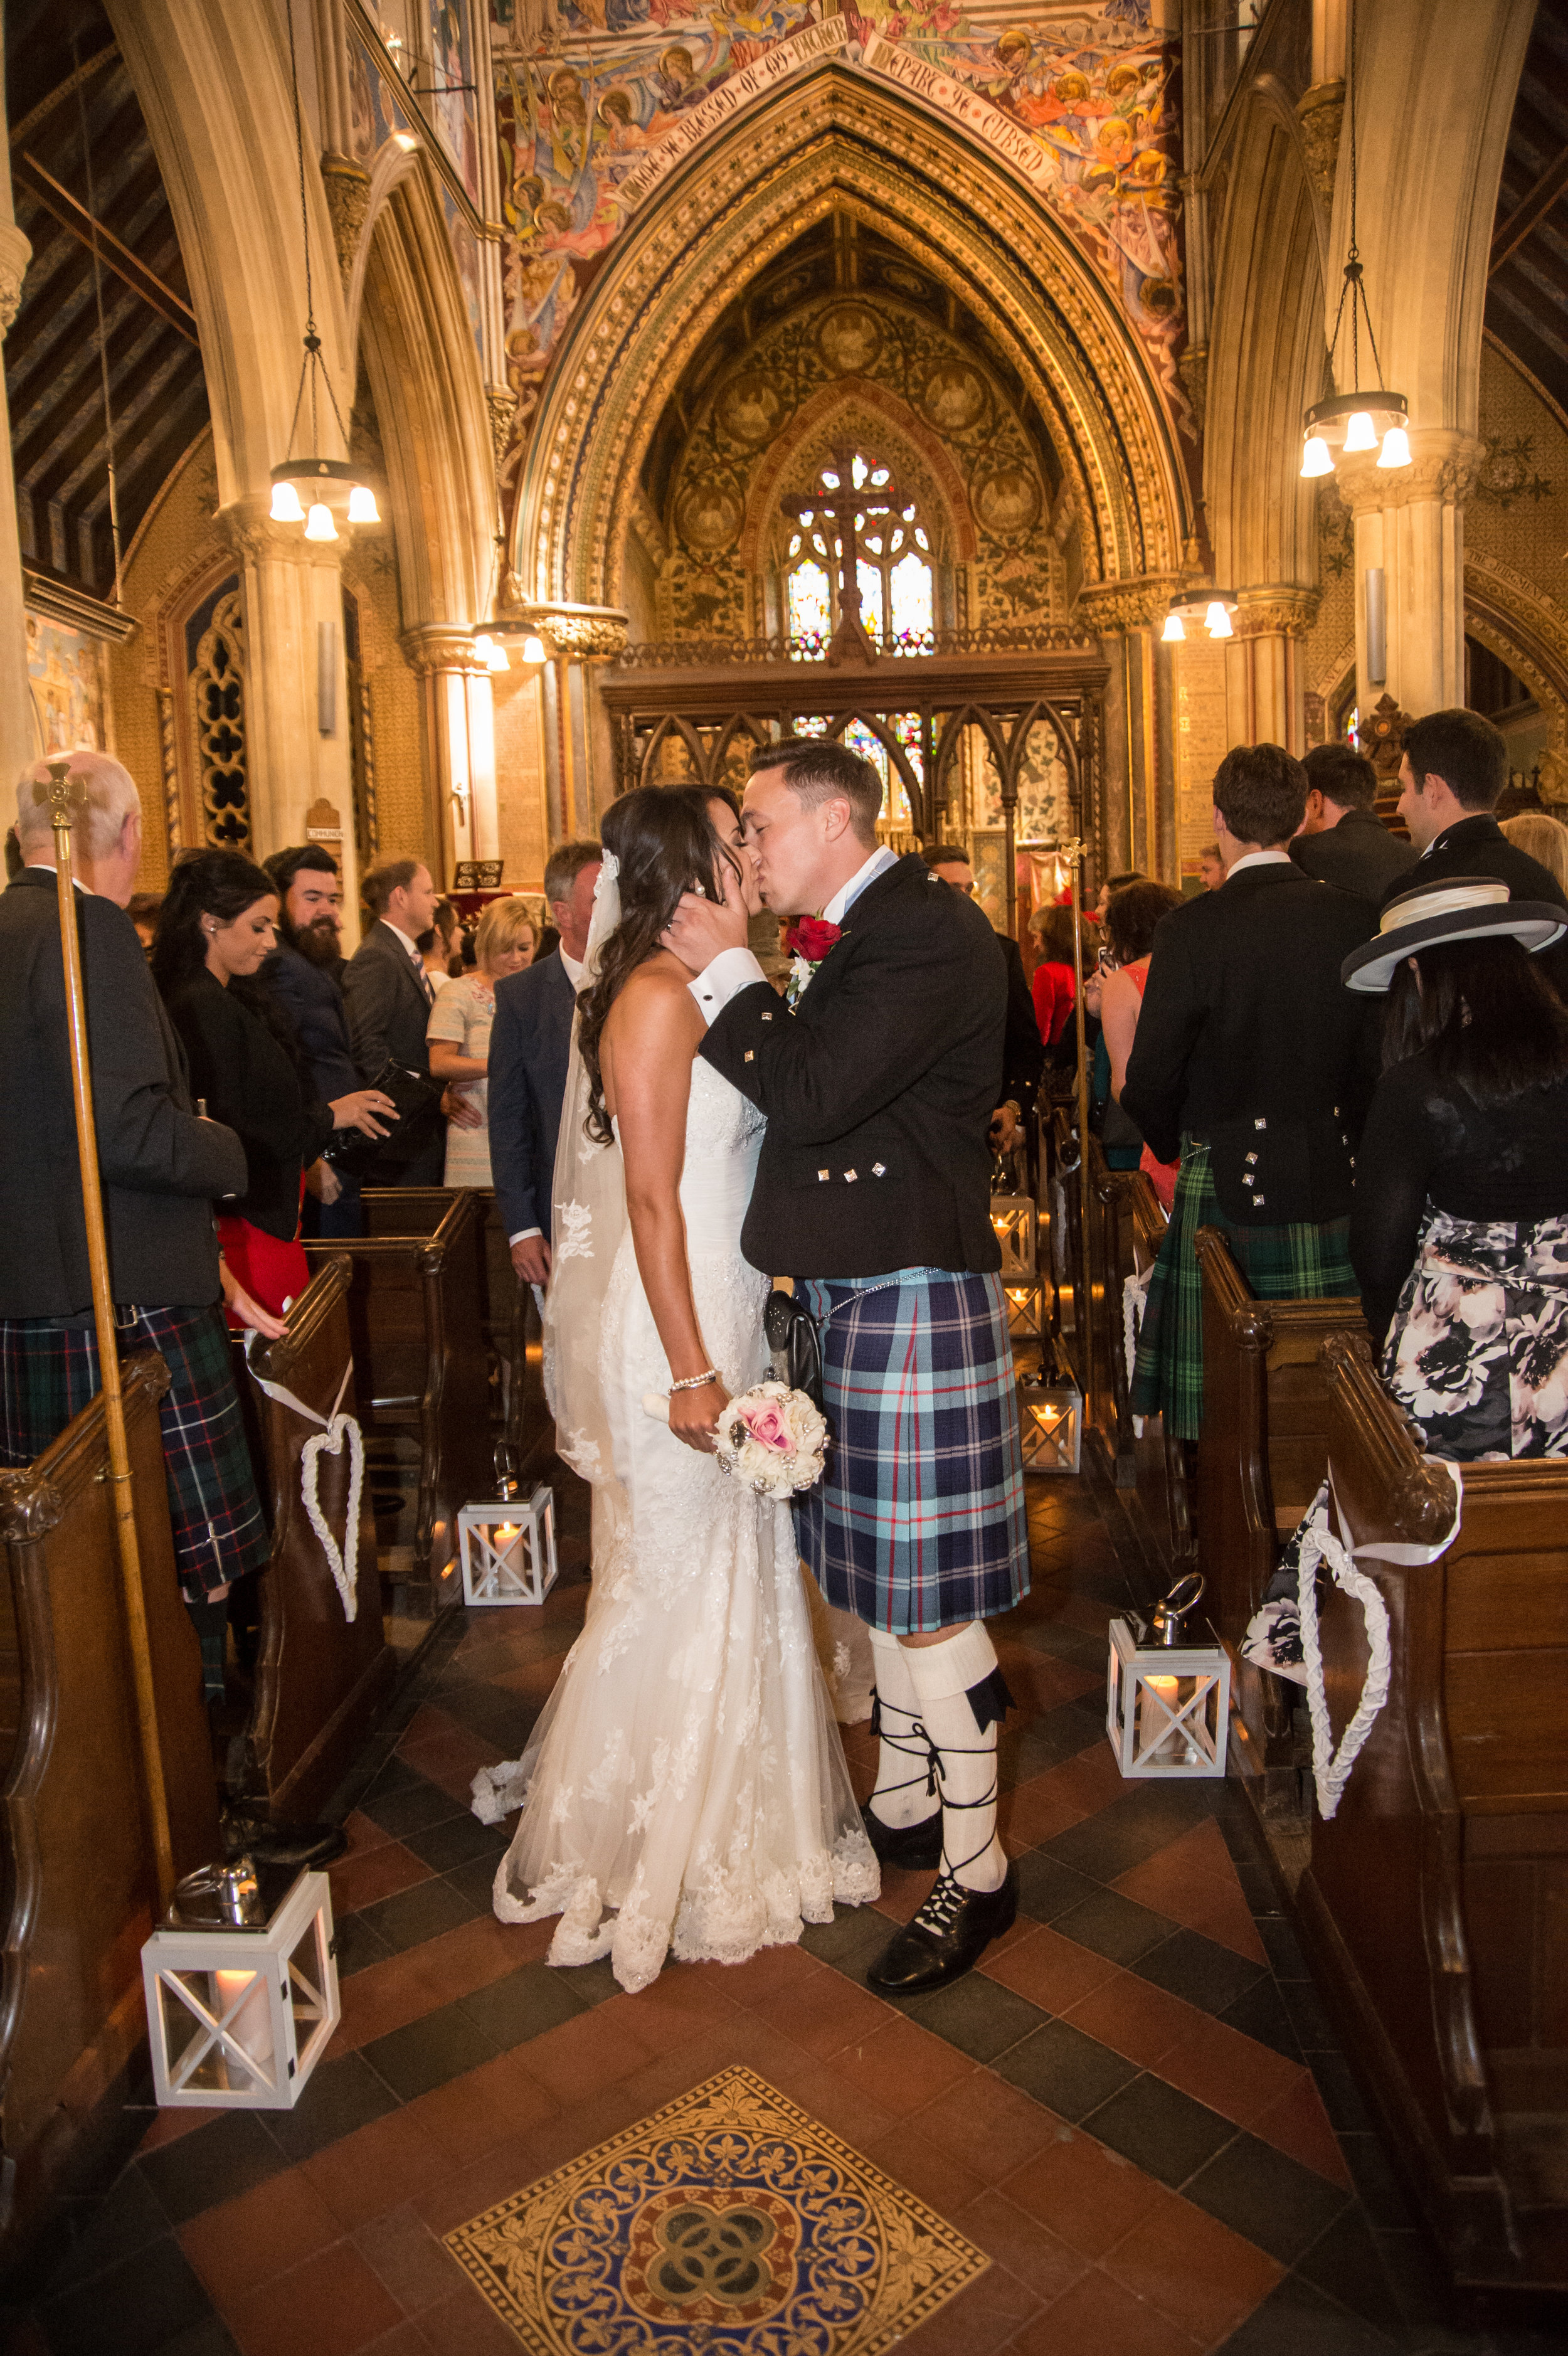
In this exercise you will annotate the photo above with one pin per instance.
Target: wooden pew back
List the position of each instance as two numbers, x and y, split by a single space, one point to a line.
1436 1902
80 1888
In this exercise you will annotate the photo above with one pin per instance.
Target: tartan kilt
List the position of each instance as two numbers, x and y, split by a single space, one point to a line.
1298 1262
918 1522
48 1373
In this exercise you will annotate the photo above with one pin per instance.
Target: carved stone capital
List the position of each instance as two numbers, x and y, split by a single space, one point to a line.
1104 606
1443 467
502 403
1193 367
435 647
584 633
14 255
247 528
1321 114
1280 610
347 186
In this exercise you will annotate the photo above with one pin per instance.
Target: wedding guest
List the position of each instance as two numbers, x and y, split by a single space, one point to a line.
1543 839
459 1031
389 996
1253 1065
1454 767
438 947
530 1045
1023 1056
143 910
1342 840
1211 867
215 933
1132 915
1116 883
303 972
1055 984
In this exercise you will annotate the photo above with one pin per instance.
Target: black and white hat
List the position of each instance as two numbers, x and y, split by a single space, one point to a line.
1464 908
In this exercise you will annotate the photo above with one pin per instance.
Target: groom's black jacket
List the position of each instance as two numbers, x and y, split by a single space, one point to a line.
878 1089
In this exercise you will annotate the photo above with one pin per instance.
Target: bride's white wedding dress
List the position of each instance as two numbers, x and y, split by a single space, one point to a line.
685 1789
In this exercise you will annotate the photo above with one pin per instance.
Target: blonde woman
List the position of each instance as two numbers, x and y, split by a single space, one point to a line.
459 1030
1541 837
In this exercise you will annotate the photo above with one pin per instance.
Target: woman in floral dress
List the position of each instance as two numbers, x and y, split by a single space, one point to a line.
459 1031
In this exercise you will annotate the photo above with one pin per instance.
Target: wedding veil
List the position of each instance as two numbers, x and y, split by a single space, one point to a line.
588 1208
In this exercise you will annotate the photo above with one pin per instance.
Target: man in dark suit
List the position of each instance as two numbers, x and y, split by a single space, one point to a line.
303 970
530 1046
873 1191
1023 1052
1453 767
1342 840
1254 1062
388 999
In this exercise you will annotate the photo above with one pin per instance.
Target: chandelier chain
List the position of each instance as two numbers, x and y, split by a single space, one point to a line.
314 364
102 331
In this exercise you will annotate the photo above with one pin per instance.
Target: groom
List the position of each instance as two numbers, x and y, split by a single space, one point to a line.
873 1189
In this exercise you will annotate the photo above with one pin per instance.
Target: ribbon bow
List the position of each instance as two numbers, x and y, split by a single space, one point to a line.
342 1561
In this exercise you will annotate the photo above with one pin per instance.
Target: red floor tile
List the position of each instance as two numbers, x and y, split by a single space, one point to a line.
823 2013
331 2306
584 2055
987 2125
1233 2075
902 2065
903 1893
243 2243
927 2169
1100 2318
464 2325
1135 2018
377 2168
1193 2269
1088 2197
985 2315
408 2260
168 2125
1051 1971
1193 1881
1298 2124
374 1873
1020 2242
363 1833
1091 1780
472 2114
385 1996
1036 1812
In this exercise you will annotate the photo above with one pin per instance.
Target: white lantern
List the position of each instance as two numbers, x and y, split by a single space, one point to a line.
1167 1707
1025 1311
1050 1424
508 1549
1014 1217
241 1997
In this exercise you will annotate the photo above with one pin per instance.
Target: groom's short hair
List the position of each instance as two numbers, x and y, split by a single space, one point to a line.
816 771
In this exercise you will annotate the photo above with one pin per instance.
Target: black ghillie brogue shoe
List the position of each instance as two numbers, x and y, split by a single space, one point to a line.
290 1844
909 1849
946 1938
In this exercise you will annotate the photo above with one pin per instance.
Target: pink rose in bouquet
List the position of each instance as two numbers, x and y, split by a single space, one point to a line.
767 1425
773 1438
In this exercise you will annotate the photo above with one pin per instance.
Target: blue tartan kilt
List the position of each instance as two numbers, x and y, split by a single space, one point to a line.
918 1522
48 1373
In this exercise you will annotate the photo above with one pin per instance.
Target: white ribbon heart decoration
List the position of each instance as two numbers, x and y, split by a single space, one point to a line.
342 1561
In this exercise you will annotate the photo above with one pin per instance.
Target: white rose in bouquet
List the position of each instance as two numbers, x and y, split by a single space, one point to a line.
773 1438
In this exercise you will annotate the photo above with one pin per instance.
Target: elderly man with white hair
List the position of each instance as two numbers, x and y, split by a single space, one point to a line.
163 1167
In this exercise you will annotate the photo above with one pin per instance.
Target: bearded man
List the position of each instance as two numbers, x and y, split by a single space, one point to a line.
305 971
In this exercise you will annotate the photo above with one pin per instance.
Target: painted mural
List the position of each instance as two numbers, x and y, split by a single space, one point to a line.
65 671
376 109
597 99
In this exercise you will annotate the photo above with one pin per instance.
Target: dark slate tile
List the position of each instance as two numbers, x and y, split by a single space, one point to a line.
458 1842
1207 1974
1270 2199
1423 2290
209 2338
137 2307
1072 2074
856 1937
429 2051
357 1942
1296 2321
1308 2017
413 1809
1346 2264
1257 1886
103 2232
494 1713
1066 1643
1046 1888
1260 2013
418 1915
476 1883
1114 1926
1283 1948
1159 2128
1341 2096
977 2015
213 2163
523 2004
590 1984
1378 2186
340 2096
396 1774
1049 1740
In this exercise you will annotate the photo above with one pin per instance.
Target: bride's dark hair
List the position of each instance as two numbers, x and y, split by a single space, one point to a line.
664 840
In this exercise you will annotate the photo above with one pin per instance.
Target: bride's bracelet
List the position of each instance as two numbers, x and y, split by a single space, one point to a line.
695 1382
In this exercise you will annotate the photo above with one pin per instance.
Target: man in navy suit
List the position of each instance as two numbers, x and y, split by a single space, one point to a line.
304 970
530 1046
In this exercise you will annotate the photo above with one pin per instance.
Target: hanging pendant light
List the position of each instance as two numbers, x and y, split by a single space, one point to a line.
1362 419
318 492
1213 608
510 619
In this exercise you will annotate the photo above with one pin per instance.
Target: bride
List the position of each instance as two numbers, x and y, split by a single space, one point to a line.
685 1789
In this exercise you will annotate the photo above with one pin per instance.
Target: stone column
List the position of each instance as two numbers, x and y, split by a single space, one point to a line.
1263 687
296 689
1135 830
1409 522
577 747
18 742
460 745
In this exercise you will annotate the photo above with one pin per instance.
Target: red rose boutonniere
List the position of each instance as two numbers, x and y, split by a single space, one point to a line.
807 941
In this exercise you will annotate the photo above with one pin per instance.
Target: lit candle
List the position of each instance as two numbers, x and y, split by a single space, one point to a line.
251 2027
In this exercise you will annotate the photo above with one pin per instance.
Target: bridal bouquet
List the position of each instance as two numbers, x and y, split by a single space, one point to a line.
773 1439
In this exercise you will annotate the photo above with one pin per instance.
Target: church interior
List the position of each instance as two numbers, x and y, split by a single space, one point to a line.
432 419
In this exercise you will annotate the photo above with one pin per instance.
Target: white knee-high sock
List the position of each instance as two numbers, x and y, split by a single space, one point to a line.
944 1675
903 1768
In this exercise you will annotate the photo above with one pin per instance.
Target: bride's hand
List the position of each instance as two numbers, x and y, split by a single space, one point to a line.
694 1415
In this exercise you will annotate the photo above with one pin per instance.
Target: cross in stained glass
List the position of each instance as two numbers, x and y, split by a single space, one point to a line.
849 491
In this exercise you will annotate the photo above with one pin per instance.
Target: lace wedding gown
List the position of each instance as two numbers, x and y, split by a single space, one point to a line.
685 1789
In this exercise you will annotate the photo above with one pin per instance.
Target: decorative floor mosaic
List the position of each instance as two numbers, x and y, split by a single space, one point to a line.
729 2222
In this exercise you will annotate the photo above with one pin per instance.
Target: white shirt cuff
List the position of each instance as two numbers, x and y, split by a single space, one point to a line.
523 1234
732 971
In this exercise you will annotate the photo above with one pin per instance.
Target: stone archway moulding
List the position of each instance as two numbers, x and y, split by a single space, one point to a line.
858 392
838 142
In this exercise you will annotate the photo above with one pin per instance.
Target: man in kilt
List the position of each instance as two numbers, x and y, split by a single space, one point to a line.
873 1192
1255 1065
162 1168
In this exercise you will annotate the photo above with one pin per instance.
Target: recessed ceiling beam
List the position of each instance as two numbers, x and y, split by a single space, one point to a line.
76 219
1530 210
61 90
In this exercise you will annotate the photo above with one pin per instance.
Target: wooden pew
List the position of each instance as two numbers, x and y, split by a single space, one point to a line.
321 1679
81 1887
416 1313
1435 1910
1264 1450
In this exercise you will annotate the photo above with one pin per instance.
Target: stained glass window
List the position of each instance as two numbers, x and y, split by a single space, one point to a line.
810 605
904 727
893 563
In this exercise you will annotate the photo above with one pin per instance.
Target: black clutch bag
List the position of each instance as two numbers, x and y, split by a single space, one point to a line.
795 1346
418 1100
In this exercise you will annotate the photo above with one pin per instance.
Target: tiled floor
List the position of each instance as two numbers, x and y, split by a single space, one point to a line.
1136 2107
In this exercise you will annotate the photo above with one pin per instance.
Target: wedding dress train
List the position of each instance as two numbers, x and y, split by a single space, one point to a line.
685 1789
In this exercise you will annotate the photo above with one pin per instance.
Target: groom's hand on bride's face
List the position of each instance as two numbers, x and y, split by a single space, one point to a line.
702 929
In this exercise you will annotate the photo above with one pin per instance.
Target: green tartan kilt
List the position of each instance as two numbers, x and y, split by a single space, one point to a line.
1299 1263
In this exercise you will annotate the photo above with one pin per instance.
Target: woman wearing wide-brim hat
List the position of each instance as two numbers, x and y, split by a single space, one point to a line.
1459 1225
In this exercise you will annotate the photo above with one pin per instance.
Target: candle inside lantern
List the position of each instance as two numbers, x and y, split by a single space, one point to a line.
1156 1739
251 2027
